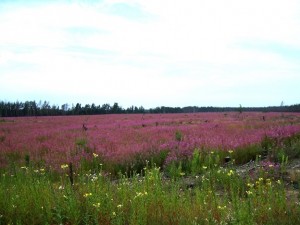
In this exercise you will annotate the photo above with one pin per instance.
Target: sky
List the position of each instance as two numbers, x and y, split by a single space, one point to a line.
151 53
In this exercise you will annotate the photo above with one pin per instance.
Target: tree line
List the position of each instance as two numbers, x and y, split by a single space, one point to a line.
33 108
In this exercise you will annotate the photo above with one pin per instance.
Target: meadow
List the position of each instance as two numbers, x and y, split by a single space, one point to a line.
204 168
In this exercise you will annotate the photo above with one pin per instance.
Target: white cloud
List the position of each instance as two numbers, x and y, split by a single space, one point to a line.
179 53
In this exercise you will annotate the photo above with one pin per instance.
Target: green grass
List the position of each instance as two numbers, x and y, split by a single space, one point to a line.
199 190
218 196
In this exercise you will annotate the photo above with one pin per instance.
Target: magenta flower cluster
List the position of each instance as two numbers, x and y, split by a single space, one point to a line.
57 140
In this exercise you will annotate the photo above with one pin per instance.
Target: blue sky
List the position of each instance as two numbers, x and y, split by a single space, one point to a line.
151 53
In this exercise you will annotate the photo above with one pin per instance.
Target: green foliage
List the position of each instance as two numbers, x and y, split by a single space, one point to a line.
13 157
196 167
291 146
248 153
174 170
81 145
81 142
158 159
27 159
218 196
95 165
135 164
178 136
267 143
278 147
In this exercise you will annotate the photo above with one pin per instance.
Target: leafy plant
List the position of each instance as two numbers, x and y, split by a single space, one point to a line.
178 136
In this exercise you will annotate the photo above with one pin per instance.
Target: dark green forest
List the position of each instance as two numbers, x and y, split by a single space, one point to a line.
33 108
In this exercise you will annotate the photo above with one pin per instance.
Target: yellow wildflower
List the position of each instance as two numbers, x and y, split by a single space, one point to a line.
97 205
222 207
87 195
230 173
64 166
278 182
250 185
249 192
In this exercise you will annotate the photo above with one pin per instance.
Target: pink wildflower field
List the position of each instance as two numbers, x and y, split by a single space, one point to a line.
63 139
